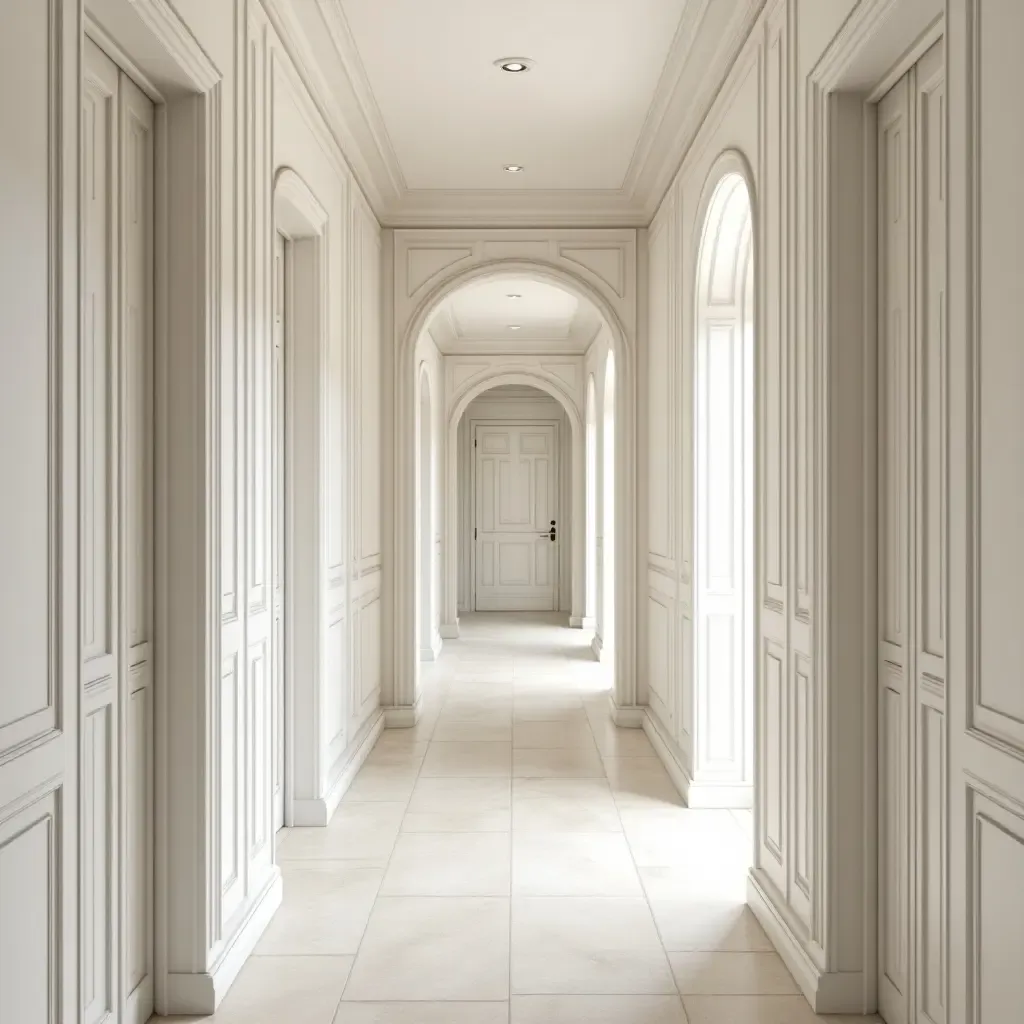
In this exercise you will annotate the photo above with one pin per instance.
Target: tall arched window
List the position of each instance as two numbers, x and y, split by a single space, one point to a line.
427 603
724 499
591 504
608 509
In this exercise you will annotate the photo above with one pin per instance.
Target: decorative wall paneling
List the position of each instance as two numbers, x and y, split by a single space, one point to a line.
599 265
116 582
912 516
793 107
985 823
39 518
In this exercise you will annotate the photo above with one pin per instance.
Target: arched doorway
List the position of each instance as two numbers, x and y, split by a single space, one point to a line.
724 459
616 310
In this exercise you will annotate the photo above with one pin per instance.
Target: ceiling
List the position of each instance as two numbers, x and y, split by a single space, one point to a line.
484 318
617 90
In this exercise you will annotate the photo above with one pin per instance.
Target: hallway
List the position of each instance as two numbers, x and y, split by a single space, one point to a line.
515 843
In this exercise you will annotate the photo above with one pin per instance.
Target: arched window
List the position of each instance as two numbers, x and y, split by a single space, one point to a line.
724 499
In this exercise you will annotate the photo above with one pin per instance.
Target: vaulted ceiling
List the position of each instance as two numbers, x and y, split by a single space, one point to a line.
615 91
514 314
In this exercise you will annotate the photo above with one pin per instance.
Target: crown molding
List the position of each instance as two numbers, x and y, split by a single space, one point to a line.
707 42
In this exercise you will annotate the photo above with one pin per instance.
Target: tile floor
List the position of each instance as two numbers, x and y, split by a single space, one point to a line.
516 859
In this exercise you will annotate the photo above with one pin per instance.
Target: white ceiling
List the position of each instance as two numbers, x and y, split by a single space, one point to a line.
454 120
483 318
618 90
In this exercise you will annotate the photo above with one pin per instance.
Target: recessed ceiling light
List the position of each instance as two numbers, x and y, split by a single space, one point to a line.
514 168
515 327
513 295
514 65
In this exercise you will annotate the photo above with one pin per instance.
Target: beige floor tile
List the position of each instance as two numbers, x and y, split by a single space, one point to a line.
759 1010
492 713
382 782
709 879
572 864
564 805
706 973
423 1013
398 753
325 908
358 831
273 989
469 760
597 1010
452 804
449 864
497 731
615 742
687 925
433 948
580 946
667 837
641 783
563 763
547 735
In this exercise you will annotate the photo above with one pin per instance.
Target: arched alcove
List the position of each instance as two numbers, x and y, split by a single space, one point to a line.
724 468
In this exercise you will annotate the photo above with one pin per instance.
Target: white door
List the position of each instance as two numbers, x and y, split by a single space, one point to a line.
278 527
516 517
912 585
116 465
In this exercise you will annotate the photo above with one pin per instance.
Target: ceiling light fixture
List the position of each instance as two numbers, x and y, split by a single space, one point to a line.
514 65
513 295
514 168
515 327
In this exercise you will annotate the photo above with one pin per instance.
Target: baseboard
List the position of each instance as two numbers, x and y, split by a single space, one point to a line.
138 1007
450 630
427 654
664 748
438 644
582 622
628 717
320 811
404 716
720 796
840 992
596 646
202 993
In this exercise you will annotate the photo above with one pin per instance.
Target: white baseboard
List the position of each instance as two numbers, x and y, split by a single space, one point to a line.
138 1007
404 717
190 994
626 717
664 748
438 644
596 646
582 622
427 654
695 792
840 992
450 630
320 811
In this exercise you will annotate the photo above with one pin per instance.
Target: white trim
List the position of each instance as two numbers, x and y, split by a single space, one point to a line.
450 630
200 993
320 811
403 717
582 622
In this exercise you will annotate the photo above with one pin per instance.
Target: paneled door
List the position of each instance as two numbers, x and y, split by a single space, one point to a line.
912 581
116 531
516 516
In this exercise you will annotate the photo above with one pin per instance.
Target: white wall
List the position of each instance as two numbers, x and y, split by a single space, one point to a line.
519 404
230 89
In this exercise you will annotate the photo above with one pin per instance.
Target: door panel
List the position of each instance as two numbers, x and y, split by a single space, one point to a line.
116 459
516 501
912 432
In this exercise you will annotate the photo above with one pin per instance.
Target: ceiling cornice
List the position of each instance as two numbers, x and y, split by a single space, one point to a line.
677 112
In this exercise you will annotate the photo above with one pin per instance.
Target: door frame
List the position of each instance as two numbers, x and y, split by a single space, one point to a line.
473 425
